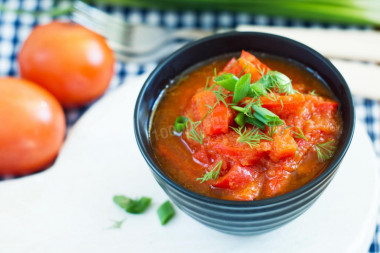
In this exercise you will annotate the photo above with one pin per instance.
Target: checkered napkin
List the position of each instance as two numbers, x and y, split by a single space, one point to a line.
14 29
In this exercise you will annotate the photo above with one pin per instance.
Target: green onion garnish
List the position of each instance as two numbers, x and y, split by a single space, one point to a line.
266 116
165 212
254 122
227 81
239 119
135 206
180 124
241 88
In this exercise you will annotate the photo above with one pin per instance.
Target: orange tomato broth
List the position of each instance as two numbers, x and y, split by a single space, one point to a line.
273 167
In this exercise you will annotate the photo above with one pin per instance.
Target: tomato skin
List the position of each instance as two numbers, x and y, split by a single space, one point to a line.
72 62
32 127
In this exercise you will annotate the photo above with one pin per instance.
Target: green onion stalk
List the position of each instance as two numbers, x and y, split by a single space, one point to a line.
362 12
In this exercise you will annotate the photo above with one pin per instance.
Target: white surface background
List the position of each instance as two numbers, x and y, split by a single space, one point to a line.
69 207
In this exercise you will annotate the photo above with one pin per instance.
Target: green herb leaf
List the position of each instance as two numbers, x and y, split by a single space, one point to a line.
180 124
193 133
283 83
227 81
239 119
212 174
254 122
266 116
241 88
165 212
257 89
135 206
299 134
117 224
325 150
220 97
313 92
277 81
272 131
251 137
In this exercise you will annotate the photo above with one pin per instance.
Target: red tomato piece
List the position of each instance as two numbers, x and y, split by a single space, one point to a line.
215 122
233 67
283 145
252 65
237 177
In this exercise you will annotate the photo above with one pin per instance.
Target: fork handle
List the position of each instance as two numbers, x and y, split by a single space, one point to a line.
191 34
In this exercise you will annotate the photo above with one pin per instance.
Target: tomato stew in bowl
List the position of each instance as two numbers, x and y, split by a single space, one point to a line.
219 148
244 131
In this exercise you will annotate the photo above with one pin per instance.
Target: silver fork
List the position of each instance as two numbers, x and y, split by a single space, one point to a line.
133 42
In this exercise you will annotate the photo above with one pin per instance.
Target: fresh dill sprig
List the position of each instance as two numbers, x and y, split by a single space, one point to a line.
271 96
272 131
283 130
220 96
242 71
325 150
193 134
207 83
299 134
212 174
117 224
313 93
251 137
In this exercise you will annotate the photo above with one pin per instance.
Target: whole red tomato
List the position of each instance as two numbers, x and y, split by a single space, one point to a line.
32 127
72 62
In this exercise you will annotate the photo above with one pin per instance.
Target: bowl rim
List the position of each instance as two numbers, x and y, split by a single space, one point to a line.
328 171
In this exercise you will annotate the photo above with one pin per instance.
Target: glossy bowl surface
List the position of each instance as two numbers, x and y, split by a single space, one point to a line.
242 217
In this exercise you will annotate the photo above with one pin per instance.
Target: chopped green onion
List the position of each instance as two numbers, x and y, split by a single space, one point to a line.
238 108
135 206
266 116
165 212
333 11
254 122
227 81
180 124
257 89
241 88
239 119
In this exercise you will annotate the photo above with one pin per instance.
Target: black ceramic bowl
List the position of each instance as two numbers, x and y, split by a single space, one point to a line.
242 217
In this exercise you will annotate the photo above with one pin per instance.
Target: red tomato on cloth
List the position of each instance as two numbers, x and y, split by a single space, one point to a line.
72 62
32 127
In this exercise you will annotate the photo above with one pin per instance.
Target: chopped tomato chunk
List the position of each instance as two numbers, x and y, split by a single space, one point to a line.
252 65
233 67
283 145
236 178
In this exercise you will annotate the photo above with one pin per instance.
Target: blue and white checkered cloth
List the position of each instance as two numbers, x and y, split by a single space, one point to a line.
14 29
